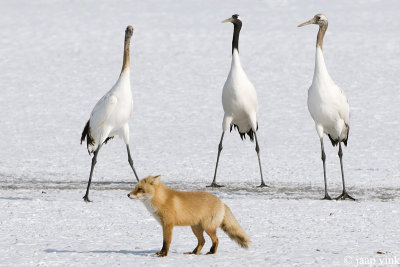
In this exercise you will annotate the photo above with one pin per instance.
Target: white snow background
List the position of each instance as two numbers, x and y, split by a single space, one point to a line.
57 58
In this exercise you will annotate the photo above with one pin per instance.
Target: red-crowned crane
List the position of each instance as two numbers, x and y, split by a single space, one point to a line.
328 104
239 100
111 114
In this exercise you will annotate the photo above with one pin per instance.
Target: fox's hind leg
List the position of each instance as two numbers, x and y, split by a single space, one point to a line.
213 235
198 232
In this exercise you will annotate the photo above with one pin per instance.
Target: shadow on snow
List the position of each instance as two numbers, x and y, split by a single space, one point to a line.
133 252
231 190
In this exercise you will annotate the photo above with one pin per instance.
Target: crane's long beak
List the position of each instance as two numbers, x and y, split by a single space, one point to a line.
228 20
311 21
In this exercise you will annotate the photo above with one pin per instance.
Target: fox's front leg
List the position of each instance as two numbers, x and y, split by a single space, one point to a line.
167 236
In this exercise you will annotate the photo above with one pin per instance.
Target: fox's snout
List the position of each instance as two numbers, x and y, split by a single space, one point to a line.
131 196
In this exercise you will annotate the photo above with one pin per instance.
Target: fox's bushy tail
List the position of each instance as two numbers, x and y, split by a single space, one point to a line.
232 228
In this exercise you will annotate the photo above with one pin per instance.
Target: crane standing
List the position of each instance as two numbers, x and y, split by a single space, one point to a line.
111 114
328 104
239 100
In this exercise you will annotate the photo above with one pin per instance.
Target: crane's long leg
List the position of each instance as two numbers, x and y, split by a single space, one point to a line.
94 160
323 157
131 162
344 194
259 162
214 184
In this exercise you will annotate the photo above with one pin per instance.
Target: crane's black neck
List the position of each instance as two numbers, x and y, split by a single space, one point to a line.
237 26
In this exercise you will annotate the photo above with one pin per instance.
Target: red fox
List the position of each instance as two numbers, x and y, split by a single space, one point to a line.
201 210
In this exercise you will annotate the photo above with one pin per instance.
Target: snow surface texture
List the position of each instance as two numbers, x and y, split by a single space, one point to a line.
57 58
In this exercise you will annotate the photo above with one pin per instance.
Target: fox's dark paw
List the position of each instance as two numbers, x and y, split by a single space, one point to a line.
161 254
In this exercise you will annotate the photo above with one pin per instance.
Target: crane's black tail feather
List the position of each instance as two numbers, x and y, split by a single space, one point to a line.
347 136
335 142
250 133
87 135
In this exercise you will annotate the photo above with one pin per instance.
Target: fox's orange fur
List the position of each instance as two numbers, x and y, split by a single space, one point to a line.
201 210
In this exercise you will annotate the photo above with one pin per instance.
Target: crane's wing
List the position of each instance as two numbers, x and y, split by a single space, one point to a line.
252 95
343 106
102 111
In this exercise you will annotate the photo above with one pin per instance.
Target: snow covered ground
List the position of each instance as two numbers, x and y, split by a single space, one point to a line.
58 57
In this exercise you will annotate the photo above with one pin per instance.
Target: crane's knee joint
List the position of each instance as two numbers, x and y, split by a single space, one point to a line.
340 153
220 147
257 148
323 156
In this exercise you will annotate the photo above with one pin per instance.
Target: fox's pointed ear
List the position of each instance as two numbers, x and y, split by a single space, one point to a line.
156 180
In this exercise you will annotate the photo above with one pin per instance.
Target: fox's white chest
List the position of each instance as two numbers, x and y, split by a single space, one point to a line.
149 206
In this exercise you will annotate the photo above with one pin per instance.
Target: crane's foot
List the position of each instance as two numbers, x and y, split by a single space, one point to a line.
263 185
326 197
86 198
344 196
214 185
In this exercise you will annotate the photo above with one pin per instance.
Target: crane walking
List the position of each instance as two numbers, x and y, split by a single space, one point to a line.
239 100
328 104
111 115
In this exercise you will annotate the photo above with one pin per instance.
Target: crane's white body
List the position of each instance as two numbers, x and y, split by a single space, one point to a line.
239 99
111 114
327 103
